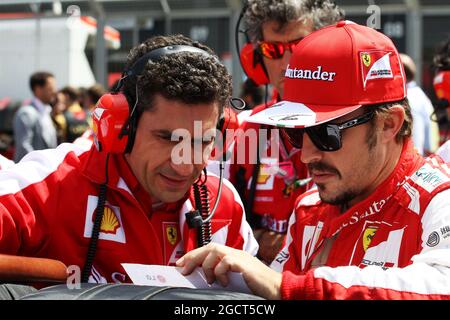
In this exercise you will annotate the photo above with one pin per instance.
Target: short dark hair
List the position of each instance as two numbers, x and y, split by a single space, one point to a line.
382 110
39 79
71 92
409 73
441 59
321 12
250 88
95 92
188 77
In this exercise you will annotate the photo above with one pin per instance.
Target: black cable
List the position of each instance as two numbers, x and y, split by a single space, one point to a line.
236 33
92 249
266 95
202 205
253 219
440 116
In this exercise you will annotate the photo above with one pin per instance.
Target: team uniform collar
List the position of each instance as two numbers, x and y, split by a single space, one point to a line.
409 159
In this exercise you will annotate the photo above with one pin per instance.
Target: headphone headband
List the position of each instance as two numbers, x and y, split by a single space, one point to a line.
250 59
156 55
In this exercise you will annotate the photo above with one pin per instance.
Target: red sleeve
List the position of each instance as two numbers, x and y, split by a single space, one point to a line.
21 230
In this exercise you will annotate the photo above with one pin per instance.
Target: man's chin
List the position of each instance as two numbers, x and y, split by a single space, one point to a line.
170 196
335 199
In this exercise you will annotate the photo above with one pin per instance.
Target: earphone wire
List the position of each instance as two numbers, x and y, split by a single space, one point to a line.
237 31
126 126
137 99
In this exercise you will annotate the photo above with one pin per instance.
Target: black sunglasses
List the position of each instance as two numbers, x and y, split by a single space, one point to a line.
327 136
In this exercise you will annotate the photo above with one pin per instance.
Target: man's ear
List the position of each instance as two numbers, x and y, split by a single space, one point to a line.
392 123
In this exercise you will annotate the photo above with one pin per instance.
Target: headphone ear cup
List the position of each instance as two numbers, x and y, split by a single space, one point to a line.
229 121
108 118
252 63
131 133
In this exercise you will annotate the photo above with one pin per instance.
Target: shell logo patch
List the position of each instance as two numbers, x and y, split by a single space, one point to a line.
111 227
263 176
110 223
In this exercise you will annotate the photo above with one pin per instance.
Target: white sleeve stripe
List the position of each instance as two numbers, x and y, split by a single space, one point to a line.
421 278
275 265
35 167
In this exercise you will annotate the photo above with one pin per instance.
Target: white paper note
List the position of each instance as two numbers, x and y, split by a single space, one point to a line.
160 276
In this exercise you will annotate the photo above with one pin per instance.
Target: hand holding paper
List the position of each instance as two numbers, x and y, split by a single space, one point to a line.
155 275
220 262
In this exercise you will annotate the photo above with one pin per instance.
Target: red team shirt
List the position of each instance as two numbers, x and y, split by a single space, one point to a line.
393 245
47 203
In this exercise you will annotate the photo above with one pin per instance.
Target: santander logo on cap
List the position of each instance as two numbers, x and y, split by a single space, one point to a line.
309 74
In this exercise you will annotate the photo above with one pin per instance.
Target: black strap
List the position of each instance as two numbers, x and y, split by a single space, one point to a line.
92 249
253 219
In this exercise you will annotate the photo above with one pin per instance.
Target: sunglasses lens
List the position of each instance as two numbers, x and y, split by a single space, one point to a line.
325 137
294 136
275 50
270 50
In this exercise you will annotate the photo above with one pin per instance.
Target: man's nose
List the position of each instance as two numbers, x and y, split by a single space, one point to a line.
310 153
285 59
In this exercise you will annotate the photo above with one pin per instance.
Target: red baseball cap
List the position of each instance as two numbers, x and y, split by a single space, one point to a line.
441 85
334 71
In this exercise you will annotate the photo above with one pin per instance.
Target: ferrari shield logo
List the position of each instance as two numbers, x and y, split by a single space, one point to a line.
171 233
369 233
366 59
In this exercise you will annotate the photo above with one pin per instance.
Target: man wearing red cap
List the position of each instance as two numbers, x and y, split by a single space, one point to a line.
378 224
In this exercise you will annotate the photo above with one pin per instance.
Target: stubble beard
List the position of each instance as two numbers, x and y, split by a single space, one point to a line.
346 196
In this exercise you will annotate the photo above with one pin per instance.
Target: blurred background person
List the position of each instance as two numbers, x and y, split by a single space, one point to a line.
251 93
441 62
59 120
425 132
89 99
76 117
32 125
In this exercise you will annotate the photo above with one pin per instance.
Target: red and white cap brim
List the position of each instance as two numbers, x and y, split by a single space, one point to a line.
297 115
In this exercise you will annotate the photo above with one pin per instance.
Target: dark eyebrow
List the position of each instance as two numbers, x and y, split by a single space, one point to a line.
168 135
163 133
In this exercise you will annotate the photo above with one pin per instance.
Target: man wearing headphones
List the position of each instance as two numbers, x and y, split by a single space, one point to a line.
269 183
441 84
378 224
129 198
